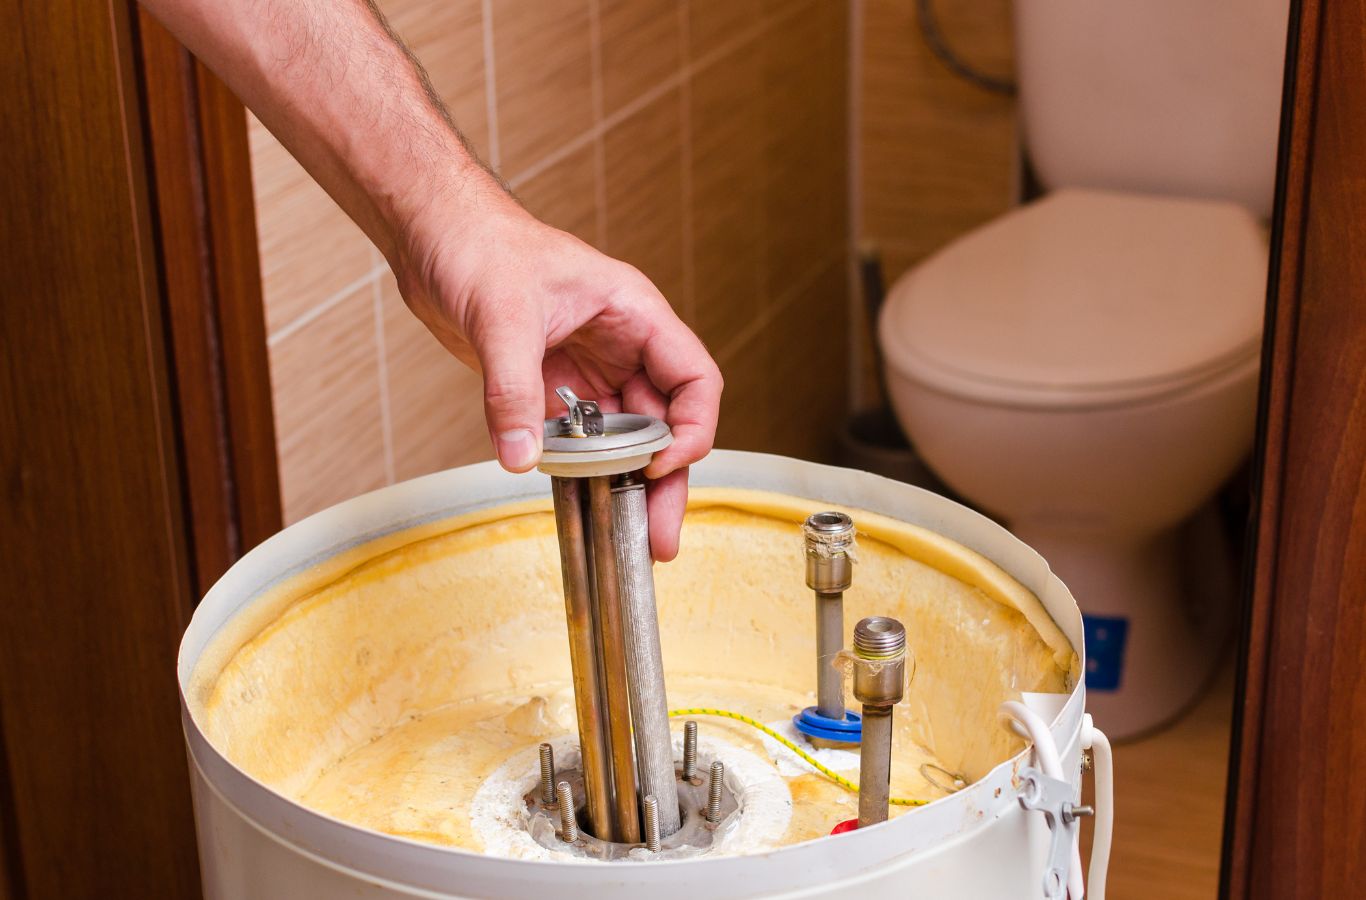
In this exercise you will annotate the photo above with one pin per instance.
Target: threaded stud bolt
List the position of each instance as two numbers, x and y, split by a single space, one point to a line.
547 775
651 824
689 750
569 826
718 774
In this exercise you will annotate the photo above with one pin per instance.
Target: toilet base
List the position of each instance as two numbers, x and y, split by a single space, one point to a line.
1151 643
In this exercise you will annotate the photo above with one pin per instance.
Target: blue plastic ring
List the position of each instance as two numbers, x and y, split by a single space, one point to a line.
848 730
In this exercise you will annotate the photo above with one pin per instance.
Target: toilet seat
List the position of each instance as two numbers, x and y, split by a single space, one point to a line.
1084 298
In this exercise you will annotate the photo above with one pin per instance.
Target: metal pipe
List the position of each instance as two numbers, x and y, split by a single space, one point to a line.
879 682
829 572
611 634
569 500
829 642
644 659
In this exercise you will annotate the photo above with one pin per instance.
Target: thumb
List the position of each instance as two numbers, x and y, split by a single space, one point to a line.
510 353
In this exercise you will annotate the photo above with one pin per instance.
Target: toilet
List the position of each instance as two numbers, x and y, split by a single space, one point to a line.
1085 366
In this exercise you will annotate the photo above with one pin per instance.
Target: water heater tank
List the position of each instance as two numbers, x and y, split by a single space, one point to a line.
1174 97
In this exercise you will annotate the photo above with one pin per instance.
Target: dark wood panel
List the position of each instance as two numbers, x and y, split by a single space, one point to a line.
96 573
241 312
206 235
1298 801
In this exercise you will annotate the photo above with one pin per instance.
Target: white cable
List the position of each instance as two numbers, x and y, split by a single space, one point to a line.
1103 758
1028 724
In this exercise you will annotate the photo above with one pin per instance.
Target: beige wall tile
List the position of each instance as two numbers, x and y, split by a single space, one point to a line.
436 404
644 193
325 379
714 23
309 249
543 76
565 195
806 379
790 373
938 152
766 181
744 423
727 196
448 38
806 140
641 48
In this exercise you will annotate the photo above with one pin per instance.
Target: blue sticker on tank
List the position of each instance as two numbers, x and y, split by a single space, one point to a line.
1105 637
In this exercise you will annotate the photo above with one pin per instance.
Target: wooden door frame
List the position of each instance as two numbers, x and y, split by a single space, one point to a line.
1296 813
199 174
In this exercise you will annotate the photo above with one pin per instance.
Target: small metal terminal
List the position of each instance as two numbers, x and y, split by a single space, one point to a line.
651 823
1071 813
584 419
547 774
879 682
569 826
689 751
718 775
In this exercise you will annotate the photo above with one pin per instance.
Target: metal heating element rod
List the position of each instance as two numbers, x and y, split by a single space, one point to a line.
612 643
644 661
568 494
614 651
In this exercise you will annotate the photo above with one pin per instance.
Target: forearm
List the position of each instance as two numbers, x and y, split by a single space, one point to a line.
343 96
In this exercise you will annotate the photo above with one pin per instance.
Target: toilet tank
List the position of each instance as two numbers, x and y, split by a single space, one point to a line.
1160 96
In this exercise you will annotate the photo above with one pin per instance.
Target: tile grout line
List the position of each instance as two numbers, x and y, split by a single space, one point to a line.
382 368
597 132
313 313
685 129
604 124
779 304
490 86
854 196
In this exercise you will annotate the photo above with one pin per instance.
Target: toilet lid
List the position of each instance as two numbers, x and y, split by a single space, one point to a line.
1084 294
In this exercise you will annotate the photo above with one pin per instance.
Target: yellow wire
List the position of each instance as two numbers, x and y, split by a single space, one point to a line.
806 757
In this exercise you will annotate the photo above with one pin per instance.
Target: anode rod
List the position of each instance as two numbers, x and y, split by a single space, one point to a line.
611 634
570 501
644 660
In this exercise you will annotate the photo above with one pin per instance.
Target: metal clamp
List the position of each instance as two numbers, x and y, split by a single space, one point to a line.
1053 798
584 418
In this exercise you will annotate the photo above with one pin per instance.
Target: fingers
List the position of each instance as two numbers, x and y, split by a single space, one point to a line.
667 498
510 349
680 367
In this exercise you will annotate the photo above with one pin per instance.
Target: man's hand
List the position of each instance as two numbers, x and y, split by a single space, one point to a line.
533 308
527 305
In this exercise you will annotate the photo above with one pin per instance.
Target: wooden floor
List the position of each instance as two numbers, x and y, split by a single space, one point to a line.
1169 805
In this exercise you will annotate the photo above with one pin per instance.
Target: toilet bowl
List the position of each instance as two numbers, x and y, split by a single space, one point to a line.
1085 368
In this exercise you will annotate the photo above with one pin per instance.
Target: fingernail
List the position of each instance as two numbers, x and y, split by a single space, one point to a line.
518 449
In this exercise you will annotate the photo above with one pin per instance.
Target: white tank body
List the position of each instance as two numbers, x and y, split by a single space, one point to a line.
257 843
1178 97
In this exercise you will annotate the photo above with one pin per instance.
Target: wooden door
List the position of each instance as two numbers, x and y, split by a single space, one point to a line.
1297 797
136 457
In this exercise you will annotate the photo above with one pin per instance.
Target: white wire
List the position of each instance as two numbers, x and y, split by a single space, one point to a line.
1034 728
1103 759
